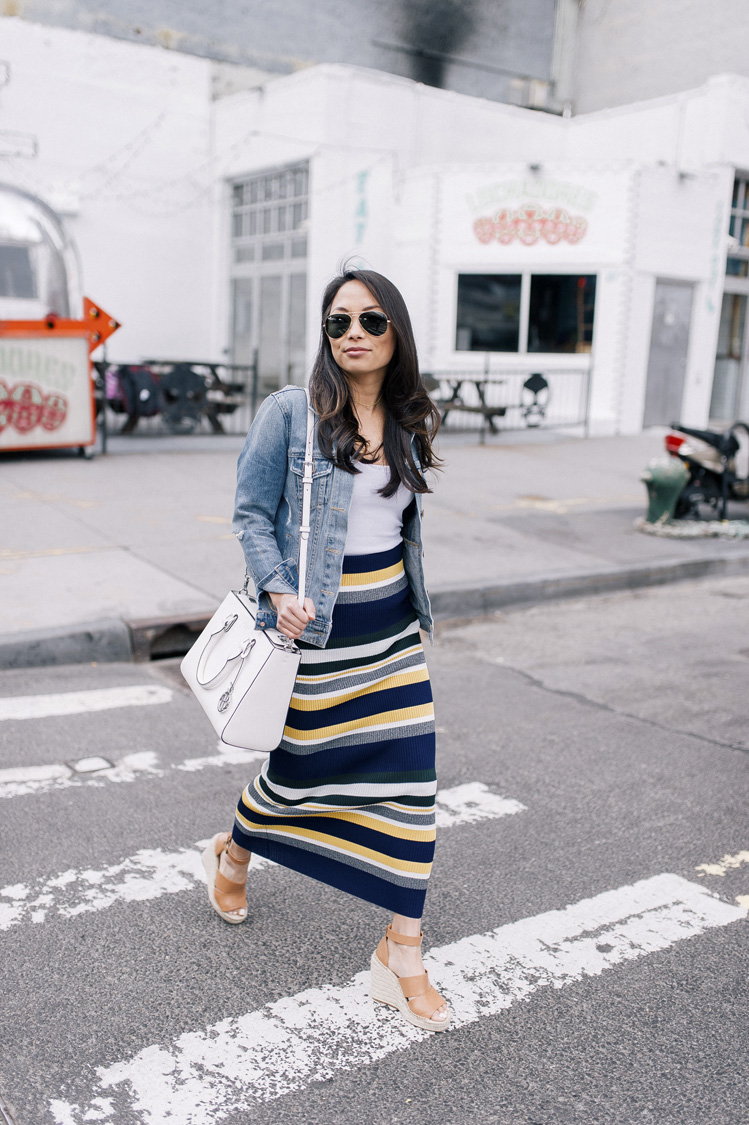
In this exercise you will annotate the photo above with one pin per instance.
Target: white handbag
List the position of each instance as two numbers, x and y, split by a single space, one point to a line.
243 676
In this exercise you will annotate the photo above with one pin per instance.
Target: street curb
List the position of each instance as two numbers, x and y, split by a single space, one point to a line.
114 640
471 601
101 641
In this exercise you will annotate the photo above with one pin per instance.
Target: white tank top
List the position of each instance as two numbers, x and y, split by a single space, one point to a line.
374 523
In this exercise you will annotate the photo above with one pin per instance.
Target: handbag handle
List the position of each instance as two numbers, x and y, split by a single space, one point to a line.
242 655
306 498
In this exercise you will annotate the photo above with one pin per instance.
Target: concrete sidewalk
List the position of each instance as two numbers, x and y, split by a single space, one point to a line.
143 536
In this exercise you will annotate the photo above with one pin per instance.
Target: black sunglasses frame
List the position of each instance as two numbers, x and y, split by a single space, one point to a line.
378 317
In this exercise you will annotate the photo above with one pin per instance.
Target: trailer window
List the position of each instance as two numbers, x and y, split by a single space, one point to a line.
16 272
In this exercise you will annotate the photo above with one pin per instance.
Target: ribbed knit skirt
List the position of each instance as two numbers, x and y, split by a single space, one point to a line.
348 796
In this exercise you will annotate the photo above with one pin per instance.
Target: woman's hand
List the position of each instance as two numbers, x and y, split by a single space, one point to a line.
292 619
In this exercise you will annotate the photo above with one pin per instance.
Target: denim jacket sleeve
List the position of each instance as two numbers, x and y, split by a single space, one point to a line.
261 474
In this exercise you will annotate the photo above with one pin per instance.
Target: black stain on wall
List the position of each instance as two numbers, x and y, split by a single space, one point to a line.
435 28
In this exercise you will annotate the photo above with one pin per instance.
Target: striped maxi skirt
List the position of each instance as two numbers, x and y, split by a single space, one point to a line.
348 796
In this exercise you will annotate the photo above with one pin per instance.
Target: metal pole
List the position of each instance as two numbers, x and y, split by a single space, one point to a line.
103 423
588 391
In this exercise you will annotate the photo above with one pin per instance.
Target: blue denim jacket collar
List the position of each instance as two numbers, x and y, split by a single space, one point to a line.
267 515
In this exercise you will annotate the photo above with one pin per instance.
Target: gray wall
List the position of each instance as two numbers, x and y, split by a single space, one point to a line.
628 50
278 36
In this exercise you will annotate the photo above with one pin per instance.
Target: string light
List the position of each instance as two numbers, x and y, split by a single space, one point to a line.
145 200
132 150
212 166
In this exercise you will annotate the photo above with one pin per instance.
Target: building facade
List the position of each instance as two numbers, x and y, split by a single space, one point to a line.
630 50
612 245
504 50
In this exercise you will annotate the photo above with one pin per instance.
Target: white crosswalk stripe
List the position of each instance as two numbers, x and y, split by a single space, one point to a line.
151 873
15 708
243 1061
20 781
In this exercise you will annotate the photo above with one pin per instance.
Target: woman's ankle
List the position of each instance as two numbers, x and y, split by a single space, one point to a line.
409 927
231 869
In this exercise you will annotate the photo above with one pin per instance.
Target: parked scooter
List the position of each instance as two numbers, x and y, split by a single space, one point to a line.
718 467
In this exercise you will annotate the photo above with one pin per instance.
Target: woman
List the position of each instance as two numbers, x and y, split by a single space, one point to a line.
348 796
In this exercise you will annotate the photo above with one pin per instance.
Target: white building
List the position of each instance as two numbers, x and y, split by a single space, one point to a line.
627 50
208 225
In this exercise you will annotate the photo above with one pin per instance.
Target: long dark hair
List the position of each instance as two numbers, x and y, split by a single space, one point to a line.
409 411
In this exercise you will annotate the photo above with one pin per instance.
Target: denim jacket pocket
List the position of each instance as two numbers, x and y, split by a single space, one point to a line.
322 474
320 465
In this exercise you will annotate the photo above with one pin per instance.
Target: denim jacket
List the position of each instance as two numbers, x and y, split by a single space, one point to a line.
267 516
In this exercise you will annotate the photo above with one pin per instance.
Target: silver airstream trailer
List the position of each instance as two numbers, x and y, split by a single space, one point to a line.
38 264
46 392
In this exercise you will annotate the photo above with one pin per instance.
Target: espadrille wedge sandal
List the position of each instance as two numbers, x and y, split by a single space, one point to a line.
414 997
225 895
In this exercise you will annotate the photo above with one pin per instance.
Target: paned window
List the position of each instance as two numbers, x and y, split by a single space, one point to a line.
737 264
267 206
488 312
525 312
269 212
560 317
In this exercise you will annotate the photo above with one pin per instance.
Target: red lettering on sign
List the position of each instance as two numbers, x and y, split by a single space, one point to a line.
28 403
529 225
55 412
6 407
25 406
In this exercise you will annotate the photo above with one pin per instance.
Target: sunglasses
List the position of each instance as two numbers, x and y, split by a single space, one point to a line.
338 324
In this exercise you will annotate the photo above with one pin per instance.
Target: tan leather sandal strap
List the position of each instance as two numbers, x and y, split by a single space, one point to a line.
414 986
241 862
227 886
230 902
233 895
403 939
426 1005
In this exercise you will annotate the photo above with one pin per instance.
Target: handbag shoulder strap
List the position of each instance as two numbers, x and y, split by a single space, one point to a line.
306 498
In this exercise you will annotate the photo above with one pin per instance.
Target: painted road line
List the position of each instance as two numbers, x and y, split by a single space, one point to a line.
147 875
243 1061
727 863
721 869
151 873
13 709
18 775
19 781
472 802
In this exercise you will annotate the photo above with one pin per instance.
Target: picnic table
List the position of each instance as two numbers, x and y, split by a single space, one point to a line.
181 392
534 397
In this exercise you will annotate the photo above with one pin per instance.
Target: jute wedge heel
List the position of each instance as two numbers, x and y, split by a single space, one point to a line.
414 997
225 895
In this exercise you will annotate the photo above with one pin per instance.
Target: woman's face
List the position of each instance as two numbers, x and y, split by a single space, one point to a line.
356 352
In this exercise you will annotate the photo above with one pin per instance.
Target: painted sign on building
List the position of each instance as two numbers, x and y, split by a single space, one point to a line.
549 215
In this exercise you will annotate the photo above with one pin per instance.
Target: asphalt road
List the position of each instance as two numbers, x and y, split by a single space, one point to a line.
594 755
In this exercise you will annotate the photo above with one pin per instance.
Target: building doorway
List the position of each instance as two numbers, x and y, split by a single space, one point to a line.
669 344
730 397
